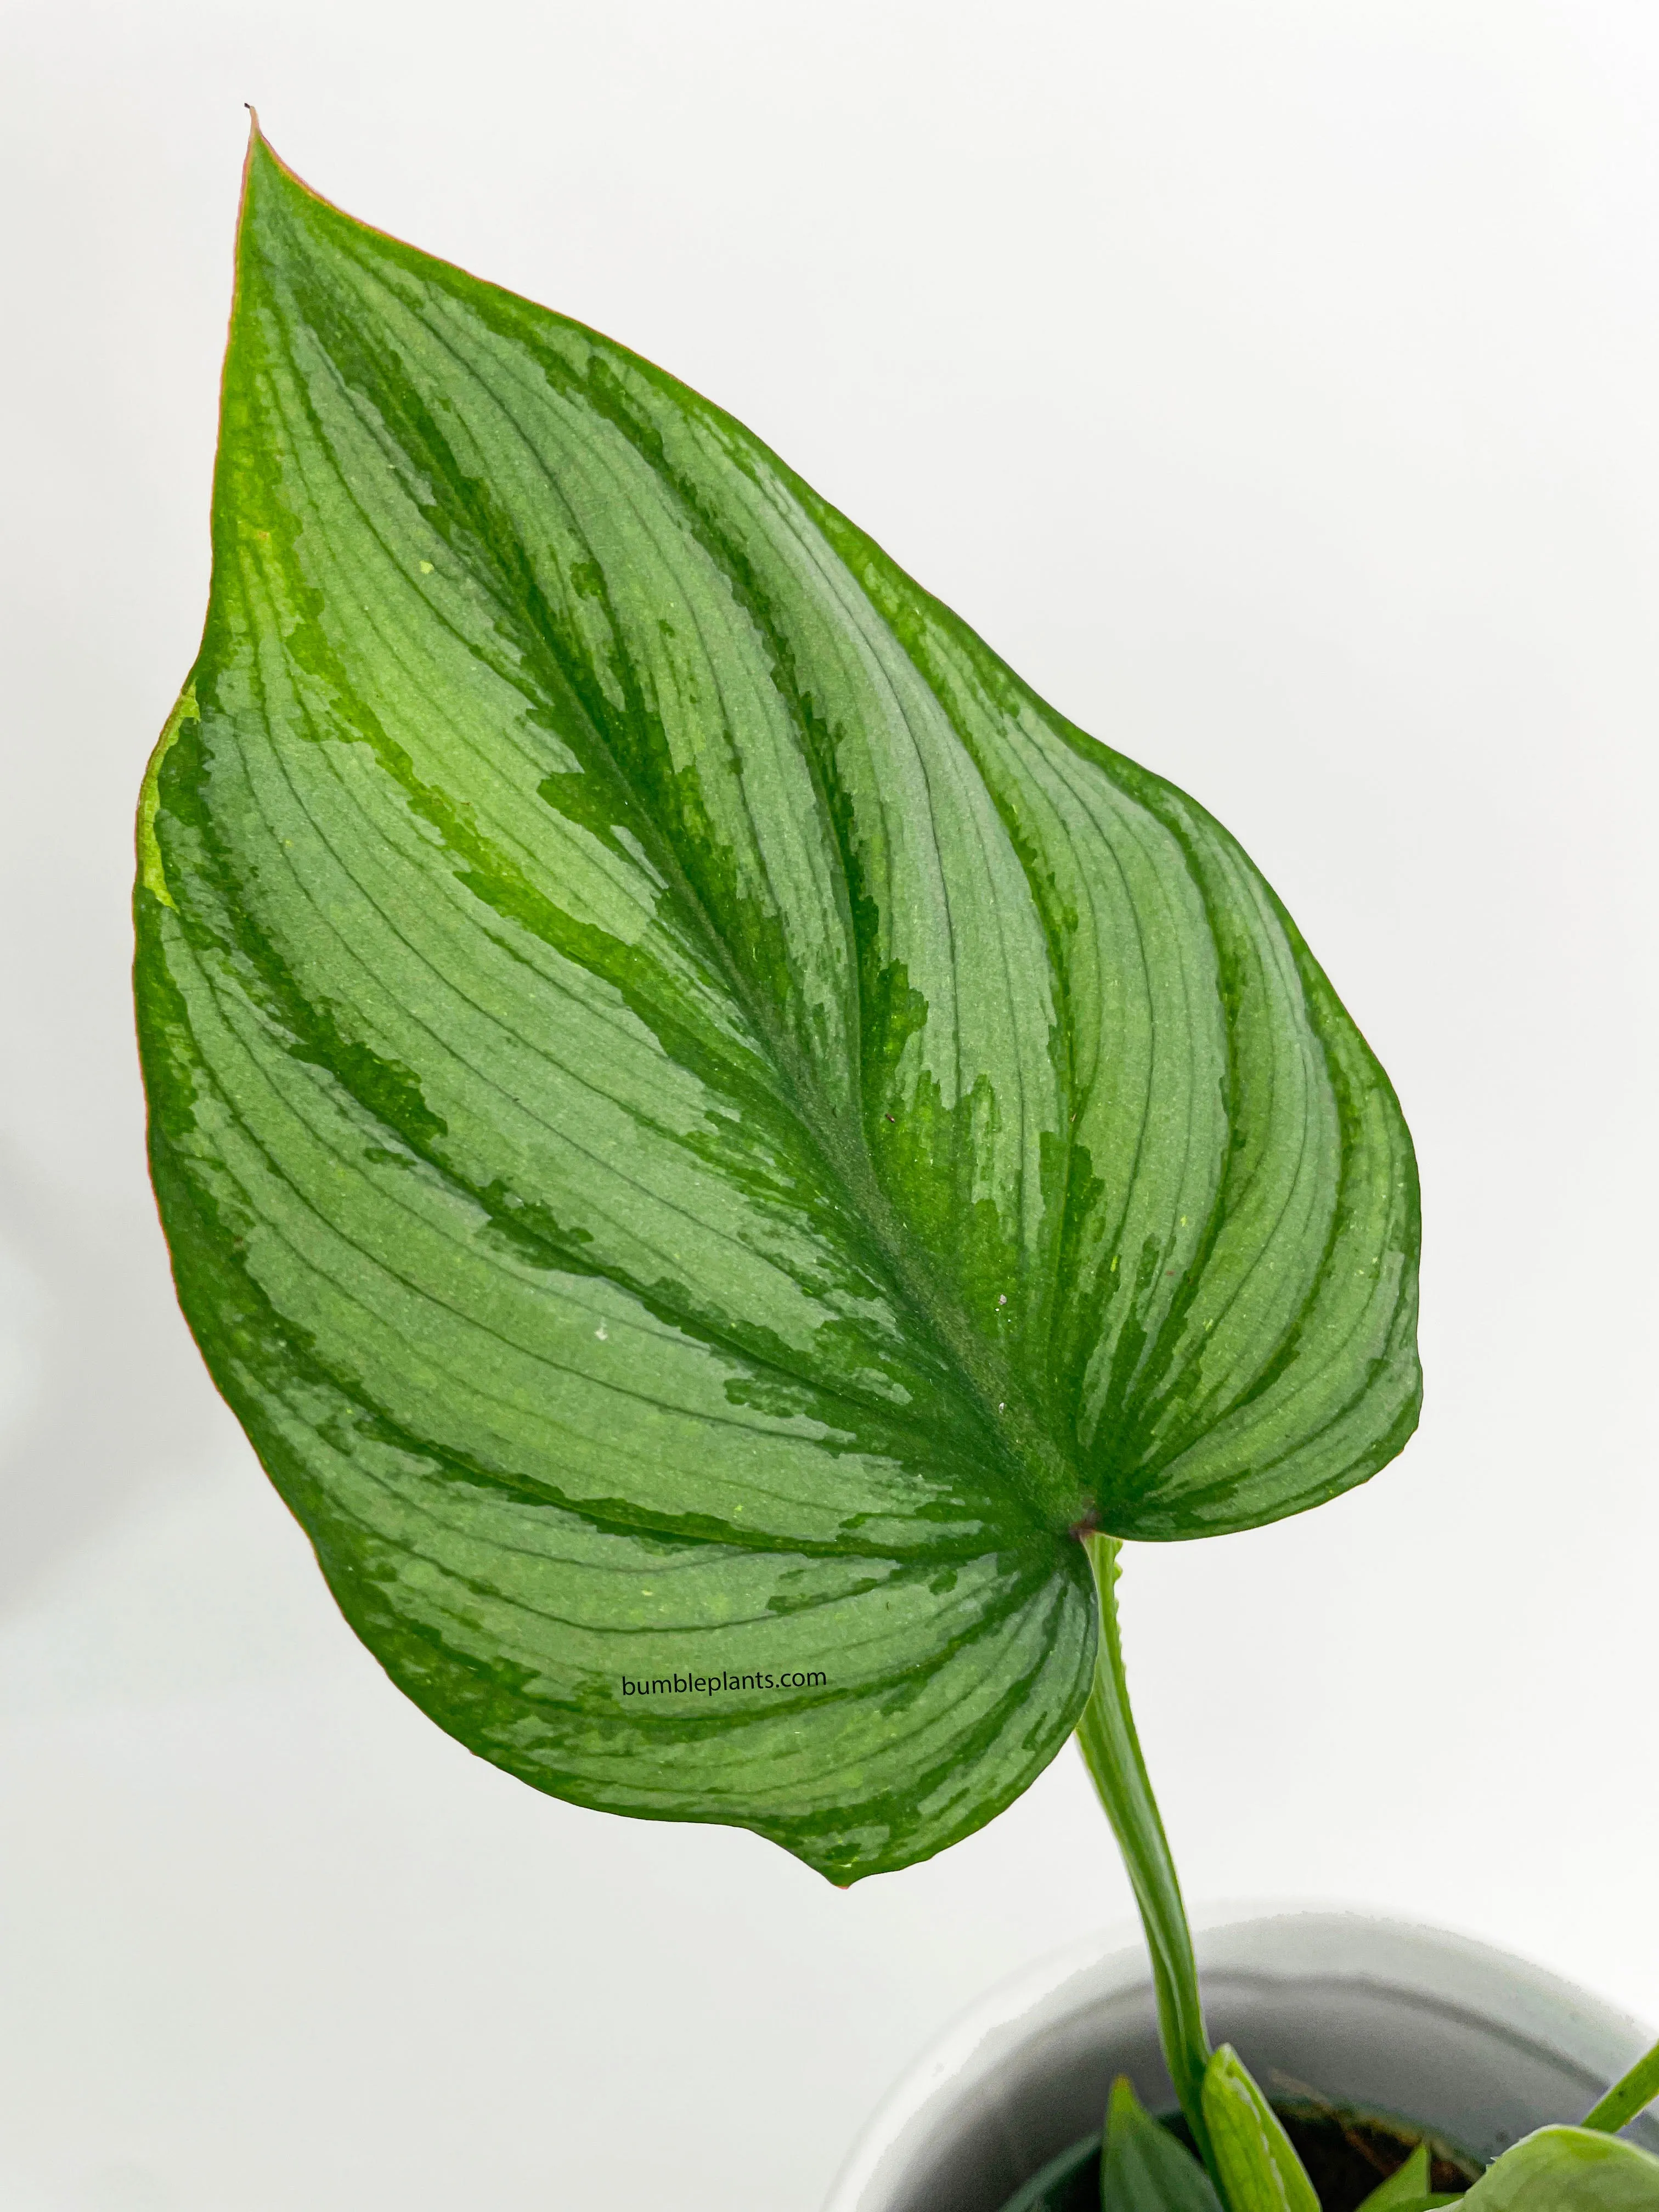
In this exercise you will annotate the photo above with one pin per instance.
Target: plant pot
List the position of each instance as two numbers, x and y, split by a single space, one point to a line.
1375 2016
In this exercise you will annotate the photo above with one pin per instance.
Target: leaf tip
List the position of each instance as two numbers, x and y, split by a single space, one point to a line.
1122 2106
272 192
258 145
263 164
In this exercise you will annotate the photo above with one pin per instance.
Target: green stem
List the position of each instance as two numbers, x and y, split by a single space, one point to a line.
1111 1751
1626 2098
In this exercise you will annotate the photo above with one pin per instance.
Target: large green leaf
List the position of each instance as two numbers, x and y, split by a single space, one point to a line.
702 1128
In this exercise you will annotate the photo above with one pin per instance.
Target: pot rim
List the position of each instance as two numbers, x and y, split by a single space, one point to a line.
1348 1942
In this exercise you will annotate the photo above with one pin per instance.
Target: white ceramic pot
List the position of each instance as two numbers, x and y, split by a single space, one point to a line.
1476 2046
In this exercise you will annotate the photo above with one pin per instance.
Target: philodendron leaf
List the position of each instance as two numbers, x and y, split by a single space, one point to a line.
1568 2170
1143 2168
1255 2160
702 1129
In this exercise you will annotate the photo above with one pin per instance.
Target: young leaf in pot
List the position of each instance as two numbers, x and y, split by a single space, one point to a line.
1568 2170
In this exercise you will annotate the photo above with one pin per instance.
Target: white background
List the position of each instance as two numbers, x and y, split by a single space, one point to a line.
1276 384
